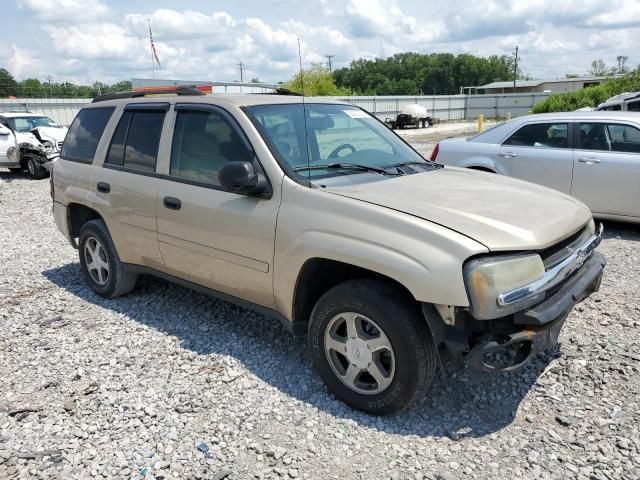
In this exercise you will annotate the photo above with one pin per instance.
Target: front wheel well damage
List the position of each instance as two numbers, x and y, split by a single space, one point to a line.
78 216
318 276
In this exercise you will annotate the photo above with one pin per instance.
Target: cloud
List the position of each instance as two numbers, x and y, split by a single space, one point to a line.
77 11
91 40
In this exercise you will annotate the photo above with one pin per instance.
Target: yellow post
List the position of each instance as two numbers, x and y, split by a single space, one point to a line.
480 122
508 115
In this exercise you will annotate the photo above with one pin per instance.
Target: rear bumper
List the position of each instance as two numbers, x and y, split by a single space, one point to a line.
537 328
61 217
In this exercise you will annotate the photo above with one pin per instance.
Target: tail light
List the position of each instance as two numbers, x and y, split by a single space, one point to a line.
435 152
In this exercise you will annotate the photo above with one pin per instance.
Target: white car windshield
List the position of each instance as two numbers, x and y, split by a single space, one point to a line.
339 139
25 124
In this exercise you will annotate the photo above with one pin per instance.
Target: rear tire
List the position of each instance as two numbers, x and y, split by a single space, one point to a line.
100 263
387 361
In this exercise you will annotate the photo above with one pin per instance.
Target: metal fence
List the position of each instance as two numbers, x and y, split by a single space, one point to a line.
61 110
443 107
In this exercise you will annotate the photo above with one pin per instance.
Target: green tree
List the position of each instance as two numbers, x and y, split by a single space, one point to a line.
316 80
598 68
413 73
8 84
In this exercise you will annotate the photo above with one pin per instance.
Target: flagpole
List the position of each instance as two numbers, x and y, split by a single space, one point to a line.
153 63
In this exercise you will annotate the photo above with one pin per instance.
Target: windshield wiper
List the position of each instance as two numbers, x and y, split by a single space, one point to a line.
425 163
345 166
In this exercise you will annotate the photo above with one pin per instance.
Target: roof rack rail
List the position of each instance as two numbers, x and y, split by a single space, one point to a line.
281 91
179 90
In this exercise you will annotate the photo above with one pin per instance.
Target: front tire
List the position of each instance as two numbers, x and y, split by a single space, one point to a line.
35 170
371 346
100 263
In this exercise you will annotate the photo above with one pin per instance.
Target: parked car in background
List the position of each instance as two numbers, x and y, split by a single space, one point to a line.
626 102
316 213
9 155
593 156
39 140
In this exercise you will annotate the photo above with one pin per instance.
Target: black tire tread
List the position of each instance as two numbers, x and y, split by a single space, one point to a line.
388 295
124 281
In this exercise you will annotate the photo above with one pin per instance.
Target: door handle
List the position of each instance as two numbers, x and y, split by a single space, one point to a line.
172 203
507 155
589 160
104 187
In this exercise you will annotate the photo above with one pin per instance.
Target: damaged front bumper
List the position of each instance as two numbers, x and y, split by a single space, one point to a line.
538 328
507 343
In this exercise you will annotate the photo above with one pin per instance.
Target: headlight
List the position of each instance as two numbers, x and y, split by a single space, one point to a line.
13 154
487 278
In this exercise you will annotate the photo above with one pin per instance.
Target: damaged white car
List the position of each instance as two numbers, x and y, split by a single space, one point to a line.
37 138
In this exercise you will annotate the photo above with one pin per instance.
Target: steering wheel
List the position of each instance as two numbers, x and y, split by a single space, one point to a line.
337 150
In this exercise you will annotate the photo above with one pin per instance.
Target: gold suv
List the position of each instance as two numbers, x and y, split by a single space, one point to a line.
314 212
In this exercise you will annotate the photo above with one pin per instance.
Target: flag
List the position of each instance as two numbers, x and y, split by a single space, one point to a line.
153 46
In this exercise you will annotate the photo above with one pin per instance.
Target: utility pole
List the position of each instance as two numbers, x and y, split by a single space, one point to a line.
515 68
241 67
329 57
49 81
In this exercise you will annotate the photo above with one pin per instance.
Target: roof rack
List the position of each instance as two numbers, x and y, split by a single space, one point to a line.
179 90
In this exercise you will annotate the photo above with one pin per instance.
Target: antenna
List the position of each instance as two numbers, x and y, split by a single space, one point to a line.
304 108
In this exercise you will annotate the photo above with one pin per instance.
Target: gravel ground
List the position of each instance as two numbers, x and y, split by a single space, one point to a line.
424 139
166 383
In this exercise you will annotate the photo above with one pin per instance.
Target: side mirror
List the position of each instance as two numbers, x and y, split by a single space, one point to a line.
240 177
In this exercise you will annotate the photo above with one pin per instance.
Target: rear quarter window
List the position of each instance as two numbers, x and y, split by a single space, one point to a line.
84 134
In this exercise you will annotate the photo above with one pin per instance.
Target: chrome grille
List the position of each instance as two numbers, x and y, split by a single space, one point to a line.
558 252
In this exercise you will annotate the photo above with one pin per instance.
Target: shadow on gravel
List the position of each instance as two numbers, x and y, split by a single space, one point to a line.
8 177
475 402
627 231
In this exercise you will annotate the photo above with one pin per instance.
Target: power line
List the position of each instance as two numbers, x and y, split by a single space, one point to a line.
329 57
241 67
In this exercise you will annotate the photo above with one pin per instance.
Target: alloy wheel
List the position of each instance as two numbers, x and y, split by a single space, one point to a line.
96 261
359 353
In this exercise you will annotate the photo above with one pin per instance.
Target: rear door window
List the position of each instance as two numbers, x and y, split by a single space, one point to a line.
136 140
540 135
610 137
84 134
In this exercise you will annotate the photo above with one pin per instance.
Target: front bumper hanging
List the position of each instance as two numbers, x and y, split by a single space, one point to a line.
541 324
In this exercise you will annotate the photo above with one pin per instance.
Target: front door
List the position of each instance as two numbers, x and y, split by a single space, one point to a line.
539 153
222 240
607 168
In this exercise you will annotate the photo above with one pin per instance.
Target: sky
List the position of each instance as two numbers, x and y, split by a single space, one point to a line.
98 40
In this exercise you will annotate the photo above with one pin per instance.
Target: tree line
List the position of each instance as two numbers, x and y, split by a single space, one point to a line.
426 74
35 88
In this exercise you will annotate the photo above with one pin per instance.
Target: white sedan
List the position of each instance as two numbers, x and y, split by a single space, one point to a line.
593 156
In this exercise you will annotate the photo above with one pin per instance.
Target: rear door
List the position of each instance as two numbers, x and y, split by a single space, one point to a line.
607 168
538 152
207 235
126 185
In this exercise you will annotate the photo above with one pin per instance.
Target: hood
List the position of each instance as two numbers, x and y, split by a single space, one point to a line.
54 134
500 212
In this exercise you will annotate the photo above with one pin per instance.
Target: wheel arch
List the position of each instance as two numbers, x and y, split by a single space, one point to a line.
79 214
318 275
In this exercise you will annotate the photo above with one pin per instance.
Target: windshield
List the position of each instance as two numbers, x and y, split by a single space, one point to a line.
25 124
336 134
